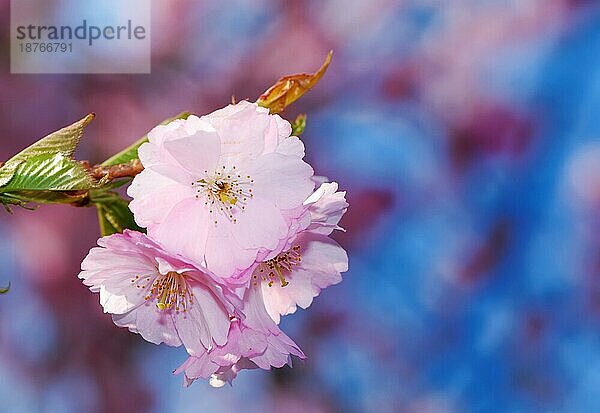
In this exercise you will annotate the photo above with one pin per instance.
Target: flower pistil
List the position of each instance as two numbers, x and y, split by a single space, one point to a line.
225 191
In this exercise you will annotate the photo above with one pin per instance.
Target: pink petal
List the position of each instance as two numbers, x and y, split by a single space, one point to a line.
241 128
111 274
148 206
152 324
292 146
324 258
200 366
285 180
326 206
196 153
279 129
284 300
204 324
260 225
224 256
184 230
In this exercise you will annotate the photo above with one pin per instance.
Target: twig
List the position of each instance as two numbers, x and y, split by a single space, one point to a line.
109 173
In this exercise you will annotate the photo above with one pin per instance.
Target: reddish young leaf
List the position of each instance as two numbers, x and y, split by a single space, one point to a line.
290 88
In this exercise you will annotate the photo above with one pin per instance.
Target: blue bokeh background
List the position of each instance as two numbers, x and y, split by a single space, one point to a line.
467 134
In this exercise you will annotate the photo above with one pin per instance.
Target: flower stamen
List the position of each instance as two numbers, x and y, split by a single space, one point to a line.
277 268
225 192
170 291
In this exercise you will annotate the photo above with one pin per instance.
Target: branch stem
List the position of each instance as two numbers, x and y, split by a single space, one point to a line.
109 173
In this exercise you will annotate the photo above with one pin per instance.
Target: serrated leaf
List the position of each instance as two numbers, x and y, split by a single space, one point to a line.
114 214
49 173
131 152
8 200
47 197
63 142
288 89
299 125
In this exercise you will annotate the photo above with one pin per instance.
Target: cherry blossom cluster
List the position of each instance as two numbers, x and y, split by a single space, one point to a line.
238 235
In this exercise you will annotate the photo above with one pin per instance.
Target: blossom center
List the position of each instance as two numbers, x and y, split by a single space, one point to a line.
277 268
170 291
225 192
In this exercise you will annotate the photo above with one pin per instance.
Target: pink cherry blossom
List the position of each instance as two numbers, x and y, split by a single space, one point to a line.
312 261
156 294
254 341
223 188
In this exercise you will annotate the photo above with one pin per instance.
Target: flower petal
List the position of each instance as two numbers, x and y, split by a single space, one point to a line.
149 207
291 146
184 230
241 128
285 180
152 324
204 324
259 225
196 153
224 256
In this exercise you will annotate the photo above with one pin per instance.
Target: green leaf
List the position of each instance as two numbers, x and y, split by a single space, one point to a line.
4 290
63 142
131 152
22 198
114 214
126 154
116 184
8 200
299 125
49 173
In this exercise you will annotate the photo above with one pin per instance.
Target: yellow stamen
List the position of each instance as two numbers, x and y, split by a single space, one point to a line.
275 268
170 290
227 199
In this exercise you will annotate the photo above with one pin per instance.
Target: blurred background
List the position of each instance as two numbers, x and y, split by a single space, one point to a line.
467 134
